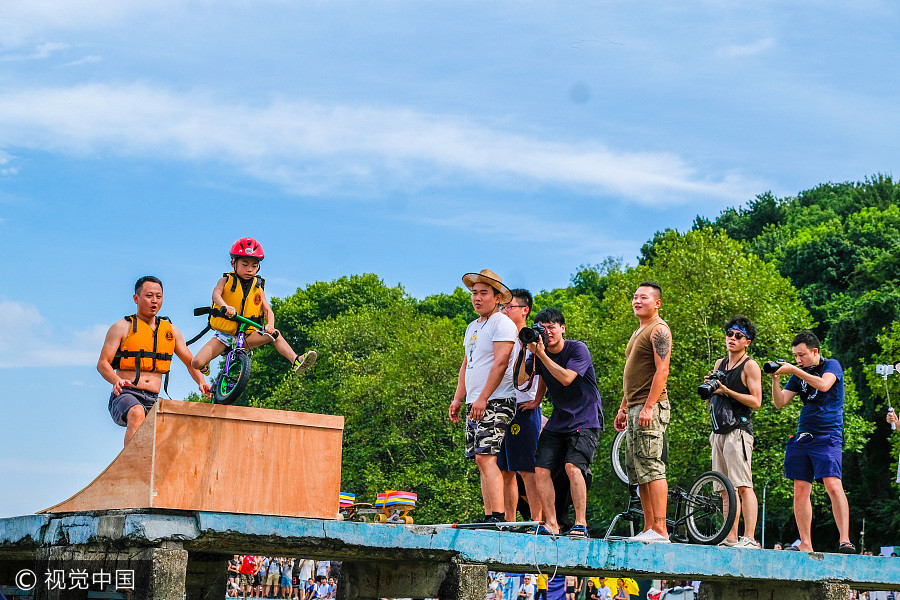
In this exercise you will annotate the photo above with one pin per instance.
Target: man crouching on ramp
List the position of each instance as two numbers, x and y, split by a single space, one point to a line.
137 353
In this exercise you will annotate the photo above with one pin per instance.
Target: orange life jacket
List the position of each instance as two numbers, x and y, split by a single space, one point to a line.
247 304
144 349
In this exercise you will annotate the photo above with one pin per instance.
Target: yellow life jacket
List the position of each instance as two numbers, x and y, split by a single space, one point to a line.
144 349
247 304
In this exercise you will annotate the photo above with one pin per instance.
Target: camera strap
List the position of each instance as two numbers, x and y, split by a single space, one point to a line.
519 360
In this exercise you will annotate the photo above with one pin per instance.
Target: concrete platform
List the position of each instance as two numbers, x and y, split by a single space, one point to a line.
390 551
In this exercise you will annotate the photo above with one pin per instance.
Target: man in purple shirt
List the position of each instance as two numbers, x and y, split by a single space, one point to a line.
569 438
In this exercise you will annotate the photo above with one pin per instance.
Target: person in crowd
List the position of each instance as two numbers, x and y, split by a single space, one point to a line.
526 590
590 591
247 573
573 586
621 592
569 439
603 591
520 442
486 383
541 587
644 412
731 410
814 453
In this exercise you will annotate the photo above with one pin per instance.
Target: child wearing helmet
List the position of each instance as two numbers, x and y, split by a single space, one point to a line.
241 292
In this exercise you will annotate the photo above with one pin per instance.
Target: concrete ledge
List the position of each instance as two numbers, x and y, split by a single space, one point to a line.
223 534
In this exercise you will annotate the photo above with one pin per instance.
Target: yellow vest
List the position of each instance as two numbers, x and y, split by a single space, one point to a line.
247 305
151 350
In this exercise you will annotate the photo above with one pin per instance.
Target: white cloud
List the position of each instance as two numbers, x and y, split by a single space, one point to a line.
90 58
746 50
39 52
309 148
27 339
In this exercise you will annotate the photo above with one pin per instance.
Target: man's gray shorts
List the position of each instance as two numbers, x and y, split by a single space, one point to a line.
128 397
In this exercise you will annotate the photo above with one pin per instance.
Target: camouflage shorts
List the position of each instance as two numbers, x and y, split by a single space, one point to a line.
645 446
486 436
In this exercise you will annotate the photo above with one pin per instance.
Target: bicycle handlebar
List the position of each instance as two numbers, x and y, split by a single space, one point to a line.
221 312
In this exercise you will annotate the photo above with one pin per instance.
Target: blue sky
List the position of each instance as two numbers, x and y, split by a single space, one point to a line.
417 140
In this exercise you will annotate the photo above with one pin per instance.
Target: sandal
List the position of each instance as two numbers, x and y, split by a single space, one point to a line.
846 548
541 530
578 531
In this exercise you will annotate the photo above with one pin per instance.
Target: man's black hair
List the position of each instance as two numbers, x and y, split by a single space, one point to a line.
550 315
744 323
140 282
654 285
523 295
806 337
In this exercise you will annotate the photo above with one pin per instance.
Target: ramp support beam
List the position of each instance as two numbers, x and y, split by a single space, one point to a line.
776 590
389 579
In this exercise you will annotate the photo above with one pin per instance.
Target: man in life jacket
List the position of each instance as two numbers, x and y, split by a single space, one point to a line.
240 292
137 354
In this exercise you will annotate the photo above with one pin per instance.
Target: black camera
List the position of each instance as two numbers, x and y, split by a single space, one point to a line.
708 388
531 334
772 366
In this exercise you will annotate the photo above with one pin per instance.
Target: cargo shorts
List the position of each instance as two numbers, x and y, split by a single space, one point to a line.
645 446
486 436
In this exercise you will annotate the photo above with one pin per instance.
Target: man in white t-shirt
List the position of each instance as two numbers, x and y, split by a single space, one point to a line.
323 568
603 591
486 383
526 590
520 442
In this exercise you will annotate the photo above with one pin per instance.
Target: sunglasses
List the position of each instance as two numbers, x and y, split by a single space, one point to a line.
735 334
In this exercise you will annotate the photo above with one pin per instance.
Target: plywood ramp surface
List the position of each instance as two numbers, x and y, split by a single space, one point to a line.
235 459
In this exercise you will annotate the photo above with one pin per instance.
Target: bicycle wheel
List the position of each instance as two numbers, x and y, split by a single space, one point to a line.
230 384
710 508
617 457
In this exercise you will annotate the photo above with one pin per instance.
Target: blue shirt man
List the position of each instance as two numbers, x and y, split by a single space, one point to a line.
814 452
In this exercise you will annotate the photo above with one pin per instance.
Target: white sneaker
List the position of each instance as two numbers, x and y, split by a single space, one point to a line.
726 543
650 537
745 542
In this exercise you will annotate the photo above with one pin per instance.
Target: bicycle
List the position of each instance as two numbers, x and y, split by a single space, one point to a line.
234 377
704 514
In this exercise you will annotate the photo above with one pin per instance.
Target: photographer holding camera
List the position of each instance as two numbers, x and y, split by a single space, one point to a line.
814 453
733 391
569 438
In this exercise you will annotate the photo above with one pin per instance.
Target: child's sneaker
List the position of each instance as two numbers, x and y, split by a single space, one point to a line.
303 363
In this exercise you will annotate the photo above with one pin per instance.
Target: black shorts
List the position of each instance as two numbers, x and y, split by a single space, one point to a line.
576 447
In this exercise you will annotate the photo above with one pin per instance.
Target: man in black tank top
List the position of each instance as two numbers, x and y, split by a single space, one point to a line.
731 412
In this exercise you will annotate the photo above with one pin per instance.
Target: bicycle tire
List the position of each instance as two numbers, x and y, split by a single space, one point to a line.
230 385
706 520
617 458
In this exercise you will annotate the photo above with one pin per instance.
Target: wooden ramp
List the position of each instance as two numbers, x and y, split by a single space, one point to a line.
233 459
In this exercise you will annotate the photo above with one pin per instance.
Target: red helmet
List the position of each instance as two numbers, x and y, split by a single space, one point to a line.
247 247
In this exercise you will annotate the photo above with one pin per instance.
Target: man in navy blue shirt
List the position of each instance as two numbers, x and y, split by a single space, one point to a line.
814 452
569 438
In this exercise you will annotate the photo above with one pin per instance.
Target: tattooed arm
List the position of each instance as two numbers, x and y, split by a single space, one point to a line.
662 351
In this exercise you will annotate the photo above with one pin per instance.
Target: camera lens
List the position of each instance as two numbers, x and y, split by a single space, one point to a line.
771 366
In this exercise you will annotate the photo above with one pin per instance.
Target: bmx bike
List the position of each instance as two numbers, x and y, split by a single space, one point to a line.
235 375
703 514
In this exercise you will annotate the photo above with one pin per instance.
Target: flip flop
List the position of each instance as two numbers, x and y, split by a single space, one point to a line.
846 548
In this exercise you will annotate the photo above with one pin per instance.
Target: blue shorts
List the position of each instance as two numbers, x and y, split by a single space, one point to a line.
128 397
286 582
520 442
809 458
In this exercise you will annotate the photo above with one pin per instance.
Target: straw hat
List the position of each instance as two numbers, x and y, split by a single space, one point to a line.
490 278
